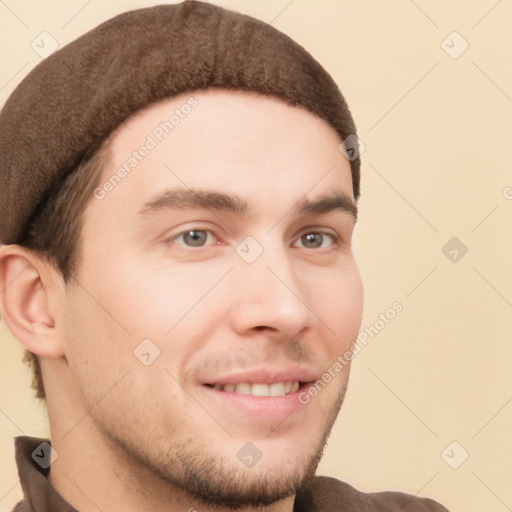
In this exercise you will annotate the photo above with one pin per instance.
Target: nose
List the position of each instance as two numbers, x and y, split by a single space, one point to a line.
268 297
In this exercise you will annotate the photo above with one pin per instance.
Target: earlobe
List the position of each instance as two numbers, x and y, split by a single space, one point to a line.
28 300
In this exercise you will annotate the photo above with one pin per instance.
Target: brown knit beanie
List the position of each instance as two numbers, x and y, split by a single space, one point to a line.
72 101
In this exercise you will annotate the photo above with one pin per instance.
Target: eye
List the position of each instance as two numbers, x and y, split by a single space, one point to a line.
315 240
194 238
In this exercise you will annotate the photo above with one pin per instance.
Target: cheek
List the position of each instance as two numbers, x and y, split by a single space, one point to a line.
146 297
337 300
95 347
136 300
154 301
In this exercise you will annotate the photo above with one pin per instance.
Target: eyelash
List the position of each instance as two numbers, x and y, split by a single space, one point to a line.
336 240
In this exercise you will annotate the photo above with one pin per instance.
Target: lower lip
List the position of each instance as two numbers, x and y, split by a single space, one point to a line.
262 408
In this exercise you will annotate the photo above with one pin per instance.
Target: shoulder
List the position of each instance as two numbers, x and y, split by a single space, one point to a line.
22 506
324 494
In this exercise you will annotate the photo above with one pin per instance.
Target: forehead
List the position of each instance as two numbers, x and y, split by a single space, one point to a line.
235 141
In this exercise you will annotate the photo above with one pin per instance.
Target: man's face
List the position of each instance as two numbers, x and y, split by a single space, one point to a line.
228 246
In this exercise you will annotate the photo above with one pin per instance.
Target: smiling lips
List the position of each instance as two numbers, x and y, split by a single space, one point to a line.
262 394
260 389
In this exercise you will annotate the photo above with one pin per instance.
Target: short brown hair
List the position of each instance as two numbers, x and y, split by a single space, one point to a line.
55 230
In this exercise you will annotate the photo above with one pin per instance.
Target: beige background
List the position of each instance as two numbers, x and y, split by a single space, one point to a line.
437 165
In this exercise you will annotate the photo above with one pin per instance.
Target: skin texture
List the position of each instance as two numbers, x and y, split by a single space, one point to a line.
137 437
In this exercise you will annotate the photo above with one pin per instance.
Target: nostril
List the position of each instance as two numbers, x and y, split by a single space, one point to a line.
260 328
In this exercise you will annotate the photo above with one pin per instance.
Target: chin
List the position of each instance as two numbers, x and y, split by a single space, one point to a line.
222 484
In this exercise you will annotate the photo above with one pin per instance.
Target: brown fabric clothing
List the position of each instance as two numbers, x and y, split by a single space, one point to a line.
323 494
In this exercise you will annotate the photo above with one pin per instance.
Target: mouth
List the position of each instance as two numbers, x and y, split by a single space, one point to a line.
260 389
261 394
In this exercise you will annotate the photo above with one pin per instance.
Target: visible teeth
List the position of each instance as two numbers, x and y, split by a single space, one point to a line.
277 389
243 388
260 389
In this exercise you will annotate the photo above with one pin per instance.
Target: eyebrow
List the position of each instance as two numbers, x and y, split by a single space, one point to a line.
328 203
220 201
195 198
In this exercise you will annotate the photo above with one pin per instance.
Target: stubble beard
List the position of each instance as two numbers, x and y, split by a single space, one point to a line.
218 484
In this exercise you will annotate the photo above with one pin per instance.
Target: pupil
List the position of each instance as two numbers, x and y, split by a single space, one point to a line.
195 238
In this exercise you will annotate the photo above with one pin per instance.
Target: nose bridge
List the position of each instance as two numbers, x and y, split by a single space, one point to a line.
268 292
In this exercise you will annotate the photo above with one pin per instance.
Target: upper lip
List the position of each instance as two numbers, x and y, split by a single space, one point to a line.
265 376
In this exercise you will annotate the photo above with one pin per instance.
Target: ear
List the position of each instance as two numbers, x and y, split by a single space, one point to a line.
29 292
